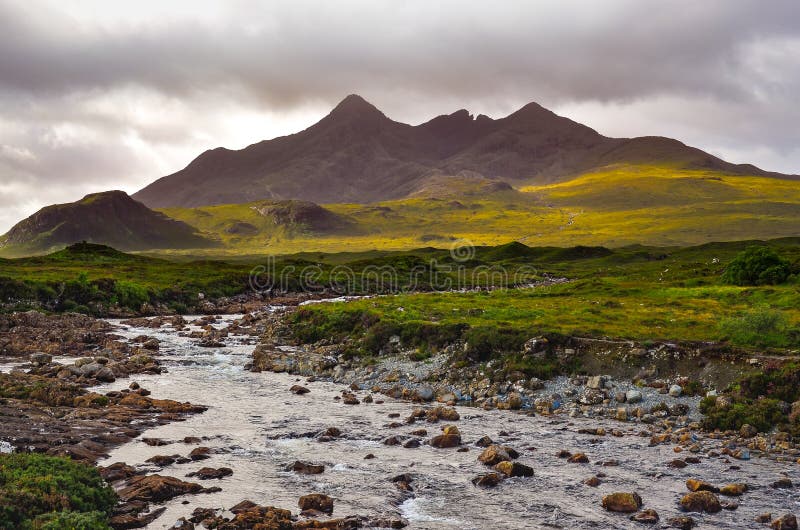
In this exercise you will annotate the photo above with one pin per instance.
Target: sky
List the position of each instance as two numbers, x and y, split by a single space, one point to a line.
98 95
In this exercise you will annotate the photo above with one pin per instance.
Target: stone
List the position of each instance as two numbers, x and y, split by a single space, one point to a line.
424 393
494 454
162 460
648 516
733 490
783 483
592 481
305 468
514 401
633 396
200 453
701 501
763 518
675 390
156 488
317 502
622 502
596 382
514 469
786 522
684 522
578 458
41 358
299 390
208 473
487 480
484 441
445 441
748 431
700 485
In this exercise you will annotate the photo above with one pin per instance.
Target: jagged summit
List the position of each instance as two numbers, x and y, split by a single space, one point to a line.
357 154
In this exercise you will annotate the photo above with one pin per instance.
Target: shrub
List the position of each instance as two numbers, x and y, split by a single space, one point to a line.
763 414
32 486
757 266
762 327
130 294
483 342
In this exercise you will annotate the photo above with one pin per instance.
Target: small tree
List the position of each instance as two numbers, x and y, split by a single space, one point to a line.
757 266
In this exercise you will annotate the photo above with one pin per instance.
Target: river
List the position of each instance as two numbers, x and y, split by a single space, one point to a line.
257 427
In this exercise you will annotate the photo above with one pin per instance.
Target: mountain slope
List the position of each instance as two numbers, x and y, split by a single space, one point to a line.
110 218
357 154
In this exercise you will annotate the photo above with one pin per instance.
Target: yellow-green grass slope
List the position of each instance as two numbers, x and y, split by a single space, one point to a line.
619 205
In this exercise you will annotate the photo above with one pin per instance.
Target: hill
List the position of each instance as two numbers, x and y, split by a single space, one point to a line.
357 154
110 218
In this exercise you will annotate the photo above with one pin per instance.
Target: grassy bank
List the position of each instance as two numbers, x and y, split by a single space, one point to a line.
635 293
52 493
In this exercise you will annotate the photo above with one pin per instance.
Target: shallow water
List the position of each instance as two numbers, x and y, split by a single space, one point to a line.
253 422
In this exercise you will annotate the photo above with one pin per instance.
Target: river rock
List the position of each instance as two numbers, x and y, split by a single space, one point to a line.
162 460
578 458
700 485
487 480
299 390
786 522
305 468
514 469
316 502
157 488
648 516
596 382
494 454
633 396
41 358
622 502
675 390
701 501
484 441
208 473
783 483
424 393
733 490
200 453
684 522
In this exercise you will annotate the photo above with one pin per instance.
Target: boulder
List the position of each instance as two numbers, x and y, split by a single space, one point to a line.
675 390
633 396
514 469
733 490
487 480
305 468
157 488
316 502
786 522
700 485
208 473
649 516
684 522
299 390
701 501
622 502
494 454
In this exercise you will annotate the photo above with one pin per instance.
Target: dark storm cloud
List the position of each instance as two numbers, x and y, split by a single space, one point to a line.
83 85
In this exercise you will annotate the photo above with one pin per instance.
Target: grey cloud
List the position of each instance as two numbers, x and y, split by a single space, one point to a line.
729 69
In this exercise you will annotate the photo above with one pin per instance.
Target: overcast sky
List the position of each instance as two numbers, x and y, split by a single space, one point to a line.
96 96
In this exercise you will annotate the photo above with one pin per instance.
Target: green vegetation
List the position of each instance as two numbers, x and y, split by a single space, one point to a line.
619 205
762 399
44 492
641 293
757 266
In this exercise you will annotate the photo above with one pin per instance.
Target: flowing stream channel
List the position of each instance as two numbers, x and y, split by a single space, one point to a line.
256 427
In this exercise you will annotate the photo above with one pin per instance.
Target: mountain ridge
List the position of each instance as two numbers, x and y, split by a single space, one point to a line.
358 154
110 218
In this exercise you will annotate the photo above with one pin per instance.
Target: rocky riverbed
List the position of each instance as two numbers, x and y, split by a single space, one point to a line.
384 446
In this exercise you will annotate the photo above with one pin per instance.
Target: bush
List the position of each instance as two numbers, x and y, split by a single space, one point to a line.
761 327
484 342
763 414
33 486
131 295
757 266
72 521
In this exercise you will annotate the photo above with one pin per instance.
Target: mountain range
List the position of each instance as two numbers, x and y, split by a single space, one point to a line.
357 154
357 180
